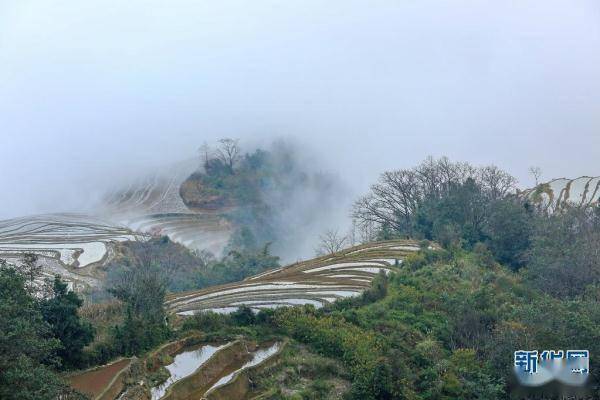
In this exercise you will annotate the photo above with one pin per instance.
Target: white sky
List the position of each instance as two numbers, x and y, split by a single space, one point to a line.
92 89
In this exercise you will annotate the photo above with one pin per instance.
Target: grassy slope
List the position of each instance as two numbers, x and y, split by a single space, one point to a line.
446 329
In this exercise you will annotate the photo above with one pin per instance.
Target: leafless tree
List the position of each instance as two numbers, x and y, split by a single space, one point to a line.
143 287
229 152
397 196
536 172
364 231
331 241
495 182
352 233
206 153
435 177
205 256
392 200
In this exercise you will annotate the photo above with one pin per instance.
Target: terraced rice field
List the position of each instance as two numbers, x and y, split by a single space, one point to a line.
225 386
69 245
103 382
556 194
215 372
154 205
317 282
185 364
75 240
72 245
201 371
197 231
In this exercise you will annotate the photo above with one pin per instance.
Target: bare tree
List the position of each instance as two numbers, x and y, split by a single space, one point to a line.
536 172
495 182
366 232
229 152
437 176
206 153
331 241
362 232
143 288
394 200
352 233
205 256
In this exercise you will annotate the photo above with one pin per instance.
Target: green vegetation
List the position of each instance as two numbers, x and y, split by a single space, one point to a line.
563 257
230 179
139 280
179 265
444 327
454 204
142 291
103 317
259 191
60 311
236 266
182 269
301 374
33 347
461 207
238 182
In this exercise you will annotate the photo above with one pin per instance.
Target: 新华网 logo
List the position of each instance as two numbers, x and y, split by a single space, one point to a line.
533 368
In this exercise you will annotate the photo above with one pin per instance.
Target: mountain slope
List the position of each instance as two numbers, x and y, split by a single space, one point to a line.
318 282
73 245
153 204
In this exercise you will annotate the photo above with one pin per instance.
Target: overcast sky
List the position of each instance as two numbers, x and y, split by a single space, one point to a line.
97 88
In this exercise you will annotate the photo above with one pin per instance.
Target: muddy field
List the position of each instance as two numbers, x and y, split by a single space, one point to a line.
95 381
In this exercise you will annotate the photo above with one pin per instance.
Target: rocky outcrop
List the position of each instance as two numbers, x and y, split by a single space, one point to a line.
197 195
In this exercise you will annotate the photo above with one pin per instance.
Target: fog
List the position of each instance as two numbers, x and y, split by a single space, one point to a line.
92 92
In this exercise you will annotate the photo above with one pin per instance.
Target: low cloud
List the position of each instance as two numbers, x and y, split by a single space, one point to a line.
92 93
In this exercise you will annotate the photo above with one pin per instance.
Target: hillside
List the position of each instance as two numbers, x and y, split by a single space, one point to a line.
317 282
154 205
75 246
433 317
70 245
222 205
438 325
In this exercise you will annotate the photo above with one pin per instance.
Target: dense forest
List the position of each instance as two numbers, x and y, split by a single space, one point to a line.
444 326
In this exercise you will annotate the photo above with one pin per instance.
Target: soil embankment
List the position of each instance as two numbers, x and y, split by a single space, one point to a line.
99 380
197 196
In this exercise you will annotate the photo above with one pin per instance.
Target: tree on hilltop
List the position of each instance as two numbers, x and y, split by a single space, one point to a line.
229 152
